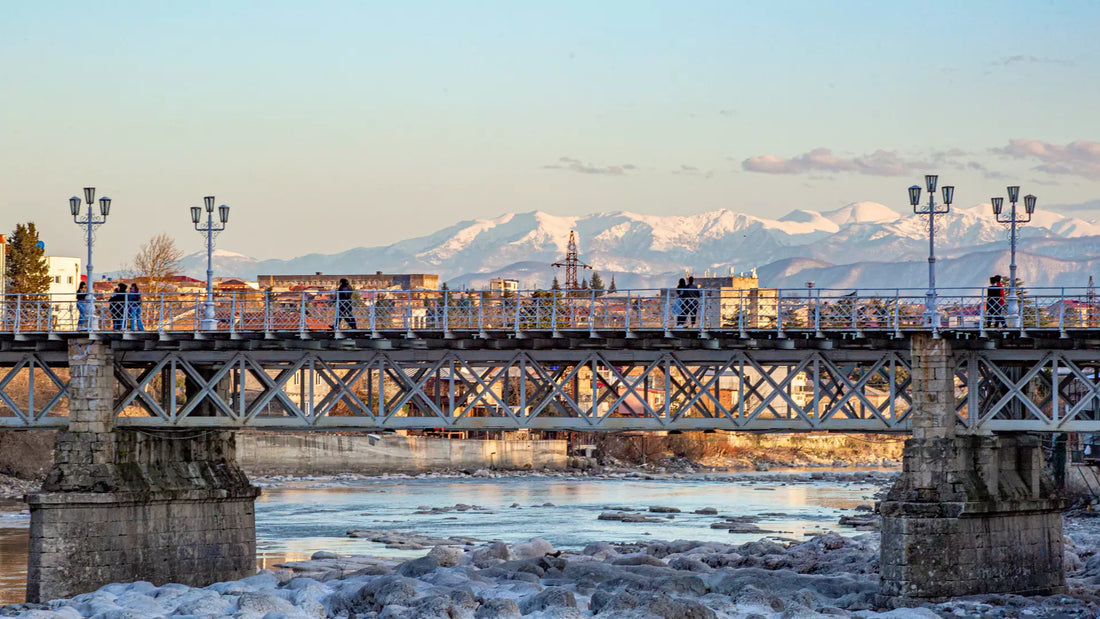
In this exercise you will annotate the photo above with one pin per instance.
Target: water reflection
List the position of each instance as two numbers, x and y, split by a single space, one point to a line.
299 519
13 565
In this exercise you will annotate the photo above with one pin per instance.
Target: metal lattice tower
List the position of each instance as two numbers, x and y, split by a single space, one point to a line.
1090 297
571 263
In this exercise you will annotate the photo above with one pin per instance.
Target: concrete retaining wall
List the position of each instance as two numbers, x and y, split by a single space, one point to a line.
271 453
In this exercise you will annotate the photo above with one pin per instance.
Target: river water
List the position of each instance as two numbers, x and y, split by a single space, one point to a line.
301 517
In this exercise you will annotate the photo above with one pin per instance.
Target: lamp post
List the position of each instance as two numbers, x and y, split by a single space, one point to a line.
90 222
931 315
209 323
1013 220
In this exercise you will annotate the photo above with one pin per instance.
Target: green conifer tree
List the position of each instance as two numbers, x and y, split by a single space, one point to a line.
555 285
28 271
597 283
612 287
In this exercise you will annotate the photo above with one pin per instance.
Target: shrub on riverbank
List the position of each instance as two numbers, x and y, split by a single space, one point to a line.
26 454
748 450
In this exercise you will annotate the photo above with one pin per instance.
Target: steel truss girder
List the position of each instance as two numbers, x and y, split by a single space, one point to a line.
735 390
562 389
19 376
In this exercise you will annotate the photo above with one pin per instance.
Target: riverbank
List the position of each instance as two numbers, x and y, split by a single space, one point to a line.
828 575
28 455
14 488
374 563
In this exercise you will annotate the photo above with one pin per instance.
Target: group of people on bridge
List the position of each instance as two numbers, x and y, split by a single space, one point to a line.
124 305
995 302
685 307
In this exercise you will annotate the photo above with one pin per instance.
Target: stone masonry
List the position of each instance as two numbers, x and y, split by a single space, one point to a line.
969 514
123 505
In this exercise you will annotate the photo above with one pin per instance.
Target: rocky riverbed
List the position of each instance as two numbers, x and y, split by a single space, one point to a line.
827 576
15 488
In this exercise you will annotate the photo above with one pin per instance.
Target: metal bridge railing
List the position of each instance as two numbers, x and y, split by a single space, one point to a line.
670 311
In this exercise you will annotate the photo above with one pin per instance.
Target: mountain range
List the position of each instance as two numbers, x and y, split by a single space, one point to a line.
863 244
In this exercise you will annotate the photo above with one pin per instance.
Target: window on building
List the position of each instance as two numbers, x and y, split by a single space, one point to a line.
57 279
70 279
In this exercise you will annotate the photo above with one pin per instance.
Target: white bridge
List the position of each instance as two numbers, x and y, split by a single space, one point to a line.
429 313
561 361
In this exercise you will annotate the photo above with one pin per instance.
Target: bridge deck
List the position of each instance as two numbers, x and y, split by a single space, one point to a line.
756 381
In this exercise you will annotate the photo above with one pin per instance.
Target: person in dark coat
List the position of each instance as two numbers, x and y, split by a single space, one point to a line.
344 305
679 301
117 304
995 303
691 304
81 308
133 309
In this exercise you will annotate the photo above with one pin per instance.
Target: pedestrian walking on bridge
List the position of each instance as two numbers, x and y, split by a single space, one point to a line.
995 303
345 305
133 310
692 300
117 305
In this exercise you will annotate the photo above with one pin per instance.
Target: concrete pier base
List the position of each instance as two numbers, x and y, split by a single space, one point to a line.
123 505
969 514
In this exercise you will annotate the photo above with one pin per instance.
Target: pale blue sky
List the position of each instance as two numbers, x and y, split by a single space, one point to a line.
330 125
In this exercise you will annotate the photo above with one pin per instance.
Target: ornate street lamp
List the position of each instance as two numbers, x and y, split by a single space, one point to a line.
931 315
90 222
1013 219
209 323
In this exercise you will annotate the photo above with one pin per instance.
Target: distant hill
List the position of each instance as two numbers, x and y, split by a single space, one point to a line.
863 244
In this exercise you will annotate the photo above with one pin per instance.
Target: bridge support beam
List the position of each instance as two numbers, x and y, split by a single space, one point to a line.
969 514
124 505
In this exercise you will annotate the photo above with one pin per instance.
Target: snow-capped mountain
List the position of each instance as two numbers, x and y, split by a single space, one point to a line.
863 244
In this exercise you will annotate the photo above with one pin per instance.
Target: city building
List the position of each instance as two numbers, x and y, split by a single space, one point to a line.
234 284
376 281
504 286
739 300
64 277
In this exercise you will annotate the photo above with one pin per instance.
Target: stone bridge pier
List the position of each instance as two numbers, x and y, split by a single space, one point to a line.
122 505
969 514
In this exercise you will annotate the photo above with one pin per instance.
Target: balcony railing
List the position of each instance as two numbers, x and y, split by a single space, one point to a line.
667 311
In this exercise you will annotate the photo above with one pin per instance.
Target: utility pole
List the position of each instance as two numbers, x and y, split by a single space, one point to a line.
571 263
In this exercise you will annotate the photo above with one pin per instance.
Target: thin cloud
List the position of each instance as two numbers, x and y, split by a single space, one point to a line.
976 166
576 165
690 170
878 163
1021 59
1091 206
1079 158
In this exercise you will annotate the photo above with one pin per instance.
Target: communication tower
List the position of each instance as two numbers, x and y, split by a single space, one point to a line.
571 263
1091 300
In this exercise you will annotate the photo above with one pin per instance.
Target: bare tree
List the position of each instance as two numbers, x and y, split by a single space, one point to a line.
157 263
